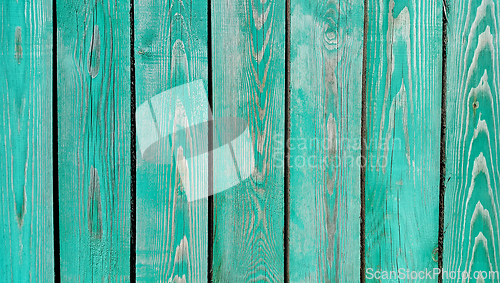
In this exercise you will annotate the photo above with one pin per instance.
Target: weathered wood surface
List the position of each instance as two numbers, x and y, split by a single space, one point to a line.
26 226
170 51
93 93
404 51
325 140
248 40
473 131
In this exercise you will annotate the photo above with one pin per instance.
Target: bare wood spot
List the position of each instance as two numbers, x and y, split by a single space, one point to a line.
94 54
94 211
19 48
435 254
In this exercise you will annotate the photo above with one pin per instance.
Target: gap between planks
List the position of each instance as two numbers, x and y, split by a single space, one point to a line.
133 169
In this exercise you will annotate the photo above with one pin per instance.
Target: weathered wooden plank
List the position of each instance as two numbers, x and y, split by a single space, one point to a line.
26 226
248 80
170 51
325 140
404 51
472 232
94 139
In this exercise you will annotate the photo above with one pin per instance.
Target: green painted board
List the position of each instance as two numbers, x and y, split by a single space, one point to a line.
93 99
26 226
170 51
248 54
472 234
325 140
404 53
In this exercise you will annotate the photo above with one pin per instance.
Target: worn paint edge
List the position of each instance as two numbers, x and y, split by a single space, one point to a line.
133 162
442 154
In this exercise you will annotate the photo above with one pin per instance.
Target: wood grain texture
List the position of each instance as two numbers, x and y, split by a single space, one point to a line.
404 52
325 140
471 202
26 226
93 92
172 240
248 40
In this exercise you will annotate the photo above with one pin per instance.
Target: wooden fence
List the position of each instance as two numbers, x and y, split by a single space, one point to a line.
375 129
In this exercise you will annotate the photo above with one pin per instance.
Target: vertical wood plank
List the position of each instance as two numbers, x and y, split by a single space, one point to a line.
94 139
170 51
472 232
249 83
404 51
325 140
26 225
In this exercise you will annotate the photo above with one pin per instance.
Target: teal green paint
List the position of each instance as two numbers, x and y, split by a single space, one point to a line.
93 93
26 226
471 241
326 65
404 51
170 50
249 83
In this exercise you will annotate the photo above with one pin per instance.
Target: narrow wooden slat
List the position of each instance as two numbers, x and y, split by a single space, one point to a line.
404 51
249 83
94 139
325 140
26 225
471 225
170 51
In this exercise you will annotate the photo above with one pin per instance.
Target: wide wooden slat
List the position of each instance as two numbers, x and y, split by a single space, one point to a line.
404 51
472 230
170 51
26 226
93 92
248 40
325 140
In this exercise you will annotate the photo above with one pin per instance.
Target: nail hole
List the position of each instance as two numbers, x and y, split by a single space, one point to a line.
475 105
